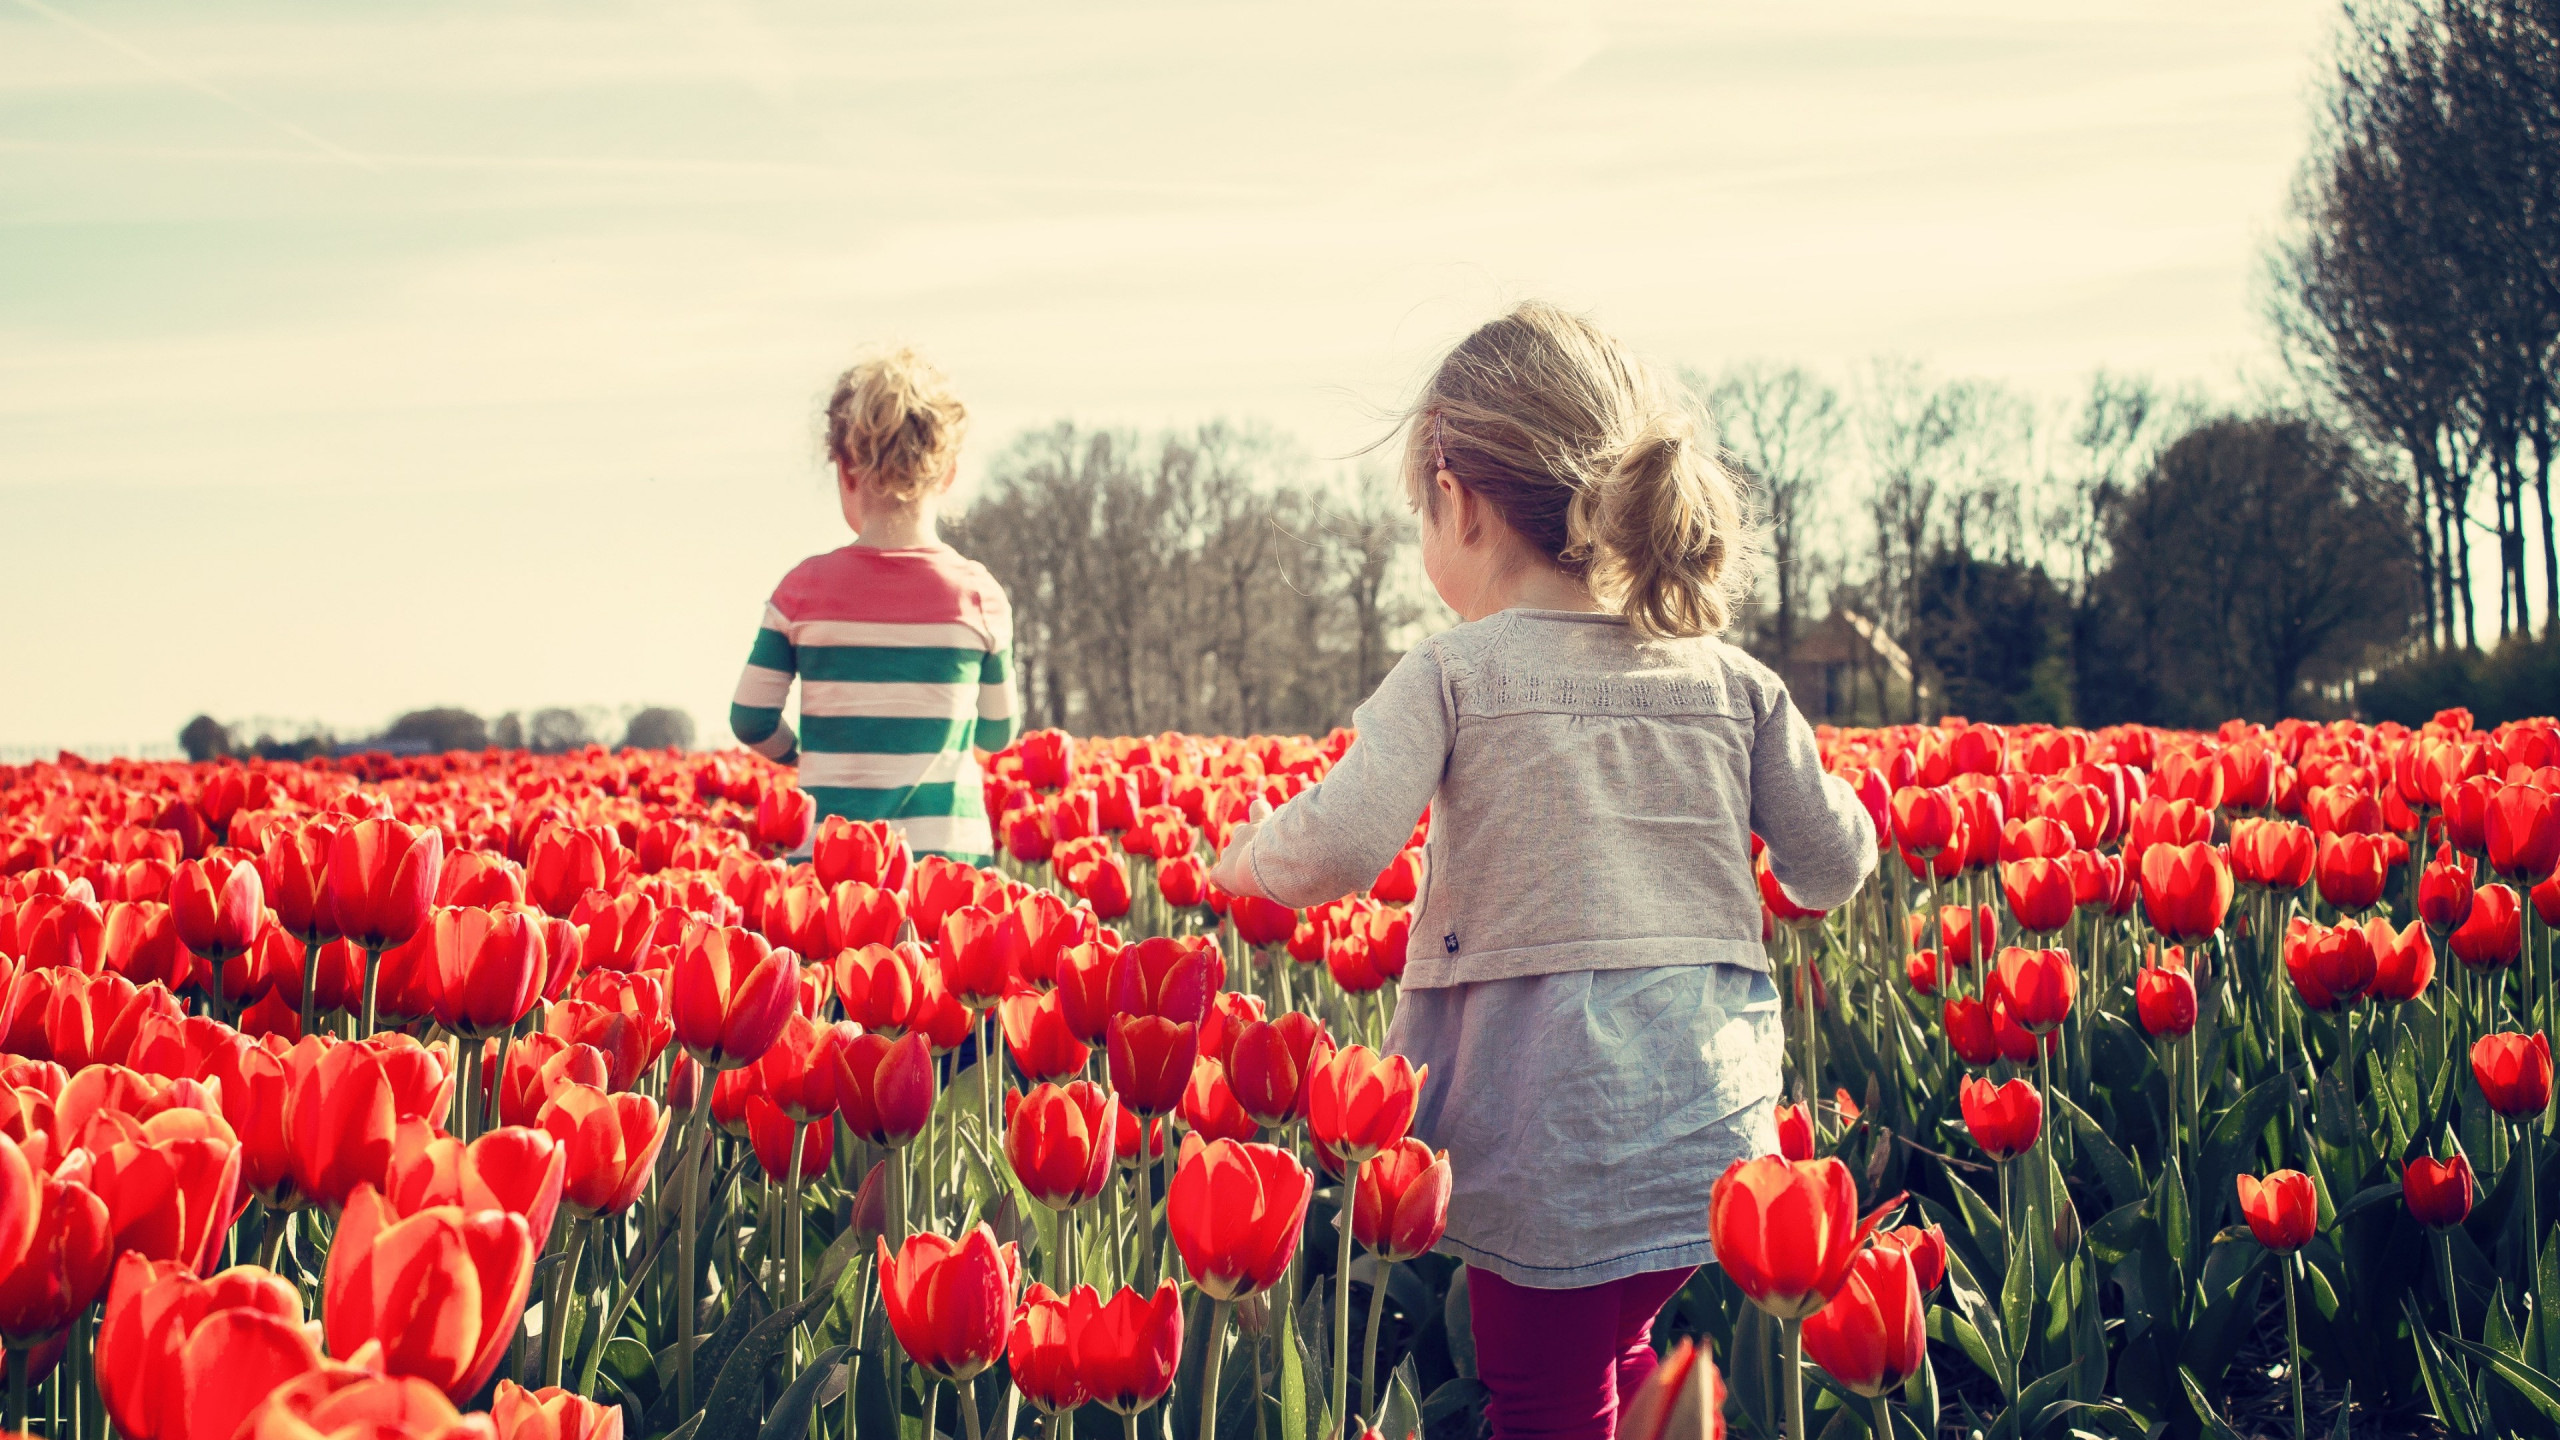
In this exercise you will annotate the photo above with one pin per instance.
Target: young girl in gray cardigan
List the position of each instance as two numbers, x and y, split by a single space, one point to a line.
1586 978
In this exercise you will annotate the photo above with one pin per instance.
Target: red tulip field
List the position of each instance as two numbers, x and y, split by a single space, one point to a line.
2158 1083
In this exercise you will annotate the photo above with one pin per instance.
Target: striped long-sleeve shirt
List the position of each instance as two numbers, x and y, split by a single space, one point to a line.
905 661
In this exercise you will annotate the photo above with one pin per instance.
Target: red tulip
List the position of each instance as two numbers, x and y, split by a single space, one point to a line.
782 819
1402 1208
513 1168
1271 1062
2283 1210
880 986
1927 1247
2330 966
380 881
21 1198
951 1304
609 1145
1795 1131
2444 889
490 968
1683 1399
1235 1210
2186 889
2003 1119
1969 1031
2164 999
1870 1336
1359 1103
2514 1072
1209 1105
173 1198
1151 1060
1786 1230
872 852
884 1088
292 871
179 1357
64 1268
770 1133
2352 869
2493 934
1126 1350
1262 923
2404 960
732 993
344 1110
1230 1011
535 1069
1041 1352
344 1402
551 1413
2039 893
2438 1193
2271 854
439 1291
2040 986
1924 820
1035 1031
1175 979
1059 1140
217 905
2523 833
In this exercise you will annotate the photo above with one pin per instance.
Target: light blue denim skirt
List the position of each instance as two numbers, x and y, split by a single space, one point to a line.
1586 1114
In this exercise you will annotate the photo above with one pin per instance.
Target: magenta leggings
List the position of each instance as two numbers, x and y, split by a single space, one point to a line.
1561 1362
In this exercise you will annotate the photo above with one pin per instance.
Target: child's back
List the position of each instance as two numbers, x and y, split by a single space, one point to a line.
902 646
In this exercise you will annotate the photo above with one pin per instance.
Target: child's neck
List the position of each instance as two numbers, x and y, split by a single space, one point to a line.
900 530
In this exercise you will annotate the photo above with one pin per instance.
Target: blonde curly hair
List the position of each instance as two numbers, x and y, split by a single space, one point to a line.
894 425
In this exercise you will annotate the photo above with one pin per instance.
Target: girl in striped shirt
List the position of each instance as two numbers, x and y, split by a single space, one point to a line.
903 647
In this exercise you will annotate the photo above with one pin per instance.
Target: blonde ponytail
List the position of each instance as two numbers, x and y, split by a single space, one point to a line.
1585 454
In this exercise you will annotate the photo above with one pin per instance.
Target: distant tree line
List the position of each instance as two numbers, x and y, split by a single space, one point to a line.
552 731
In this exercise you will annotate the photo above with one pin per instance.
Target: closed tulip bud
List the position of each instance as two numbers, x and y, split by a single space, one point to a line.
217 905
2444 889
551 1413
1920 968
1683 1399
2271 854
732 994
1927 1246
2404 960
514 1168
1209 1104
782 819
490 968
609 1144
2330 966
2039 893
2003 1119
1785 1231
1262 923
1041 1351
1036 1033
951 1304
1969 1031
771 1133
2351 871
1871 1336
2523 833
2493 934
1402 1207
1126 1349
2513 1072
1359 1103
1235 1210
1183 881
2164 999
1059 1140
884 1088
1795 1131
1270 1063
870 1217
291 870
2438 1193
440 1291
2186 889
1151 1060
381 880
2283 1210
1924 820
2040 985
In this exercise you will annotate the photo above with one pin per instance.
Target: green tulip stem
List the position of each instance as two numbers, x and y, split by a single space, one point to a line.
969 1409
1342 1305
2293 1351
17 1419
310 983
1883 1423
791 1209
2531 1125
2444 1278
555 1307
1369 1364
1792 1329
1210 1361
372 981
688 1178
1065 1232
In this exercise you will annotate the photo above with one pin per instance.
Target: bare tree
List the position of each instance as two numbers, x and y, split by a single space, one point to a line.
1782 426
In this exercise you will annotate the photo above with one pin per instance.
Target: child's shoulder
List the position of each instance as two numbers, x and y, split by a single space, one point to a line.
922 586
1551 645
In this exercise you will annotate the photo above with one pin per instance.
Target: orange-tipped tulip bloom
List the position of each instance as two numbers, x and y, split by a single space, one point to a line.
2491 935
2282 1210
2040 985
2438 1193
1871 1336
1683 1399
2514 1072
2003 1119
951 1304
2039 893
2330 966
2404 960
1785 1231
551 1413
1795 1131
217 906
1402 1208
380 880
1270 1063
2186 889
1235 1210
440 1291
2351 870
610 1143
1151 1059
1362 1102
1126 1348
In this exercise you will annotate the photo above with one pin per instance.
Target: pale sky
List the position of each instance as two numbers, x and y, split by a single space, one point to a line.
355 358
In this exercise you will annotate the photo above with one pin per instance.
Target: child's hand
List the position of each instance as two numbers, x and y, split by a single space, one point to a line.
1234 873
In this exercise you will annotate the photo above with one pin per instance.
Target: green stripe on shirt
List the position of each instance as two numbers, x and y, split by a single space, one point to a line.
940 798
921 664
772 651
884 734
751 723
